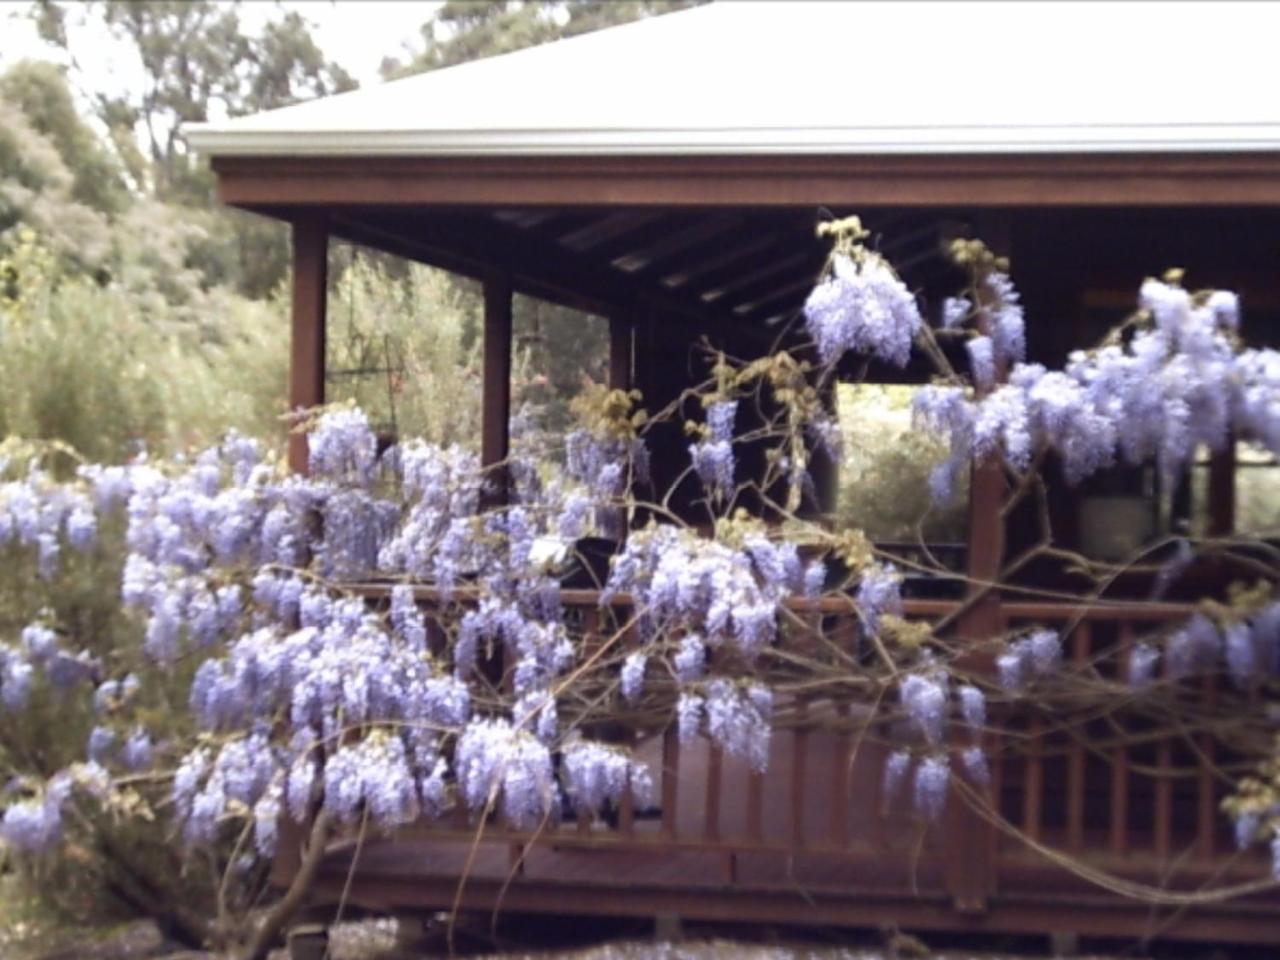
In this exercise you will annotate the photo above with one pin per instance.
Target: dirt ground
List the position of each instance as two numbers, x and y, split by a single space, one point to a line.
23 936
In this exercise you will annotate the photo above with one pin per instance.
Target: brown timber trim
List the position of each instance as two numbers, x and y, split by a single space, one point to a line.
621 331
307 337
496 411
1035 180
971 867
1025 909
1222 490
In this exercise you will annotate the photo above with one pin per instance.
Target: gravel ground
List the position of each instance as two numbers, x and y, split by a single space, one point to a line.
379 940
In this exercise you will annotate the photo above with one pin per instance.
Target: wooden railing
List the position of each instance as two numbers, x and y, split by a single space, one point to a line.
1112 791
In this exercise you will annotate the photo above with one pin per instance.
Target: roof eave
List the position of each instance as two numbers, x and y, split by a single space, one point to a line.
215 141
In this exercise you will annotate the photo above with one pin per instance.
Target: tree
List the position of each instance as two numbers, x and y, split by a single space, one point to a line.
51 177
41 92
462 30
193 55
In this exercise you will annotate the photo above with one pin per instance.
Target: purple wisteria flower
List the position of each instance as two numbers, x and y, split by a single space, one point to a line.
933 778
503 768
862 306
982 362
974 761
896 765
1028 659
879 593
925 700
1141 670
714 464
596 774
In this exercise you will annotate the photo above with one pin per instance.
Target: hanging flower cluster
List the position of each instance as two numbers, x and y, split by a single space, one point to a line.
1179 382
862 306
306 695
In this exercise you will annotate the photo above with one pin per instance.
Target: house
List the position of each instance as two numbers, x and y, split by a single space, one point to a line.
668 175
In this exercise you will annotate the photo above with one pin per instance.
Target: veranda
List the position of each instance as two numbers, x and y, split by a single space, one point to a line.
684 213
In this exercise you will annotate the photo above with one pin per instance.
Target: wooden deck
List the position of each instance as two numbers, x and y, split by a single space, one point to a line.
1095 837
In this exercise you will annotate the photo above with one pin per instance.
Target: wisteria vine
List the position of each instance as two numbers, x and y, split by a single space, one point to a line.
384 639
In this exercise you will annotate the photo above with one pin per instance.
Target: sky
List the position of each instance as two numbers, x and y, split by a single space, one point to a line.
355 33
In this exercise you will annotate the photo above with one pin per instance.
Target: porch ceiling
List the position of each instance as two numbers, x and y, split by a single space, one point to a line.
720 269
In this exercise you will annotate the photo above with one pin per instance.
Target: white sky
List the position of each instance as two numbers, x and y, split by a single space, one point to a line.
355 33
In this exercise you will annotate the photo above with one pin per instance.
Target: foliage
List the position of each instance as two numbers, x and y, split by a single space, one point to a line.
39 91
196 57
885 467
194 54
110 371
402 347
307 703
464 30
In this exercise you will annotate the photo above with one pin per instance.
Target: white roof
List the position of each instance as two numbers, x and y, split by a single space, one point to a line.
838 78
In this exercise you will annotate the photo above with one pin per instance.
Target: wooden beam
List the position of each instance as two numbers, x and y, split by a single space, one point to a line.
754 286
496 403
1004 180
635 240
791 294
785 249
705 236
698 264
310 239
599 227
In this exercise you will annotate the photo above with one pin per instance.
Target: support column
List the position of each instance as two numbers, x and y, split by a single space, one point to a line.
306 356
970 841
621 327
1222 490
496 403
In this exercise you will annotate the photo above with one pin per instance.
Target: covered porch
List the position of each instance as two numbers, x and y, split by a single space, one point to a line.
699 233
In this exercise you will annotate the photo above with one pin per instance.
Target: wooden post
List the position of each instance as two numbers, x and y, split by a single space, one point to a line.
621 327
970 866
496 403
306 358
1222 490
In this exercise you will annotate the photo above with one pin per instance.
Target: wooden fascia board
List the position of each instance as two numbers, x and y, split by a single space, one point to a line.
1028 180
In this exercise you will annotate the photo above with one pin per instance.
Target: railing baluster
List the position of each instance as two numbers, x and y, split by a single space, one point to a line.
799 761
670 781
1164 799
1080 649
711 821
995 757
1162 842
755 807
627 806
591 639
841 755
590 644
1206 807
1120 758
1033 780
